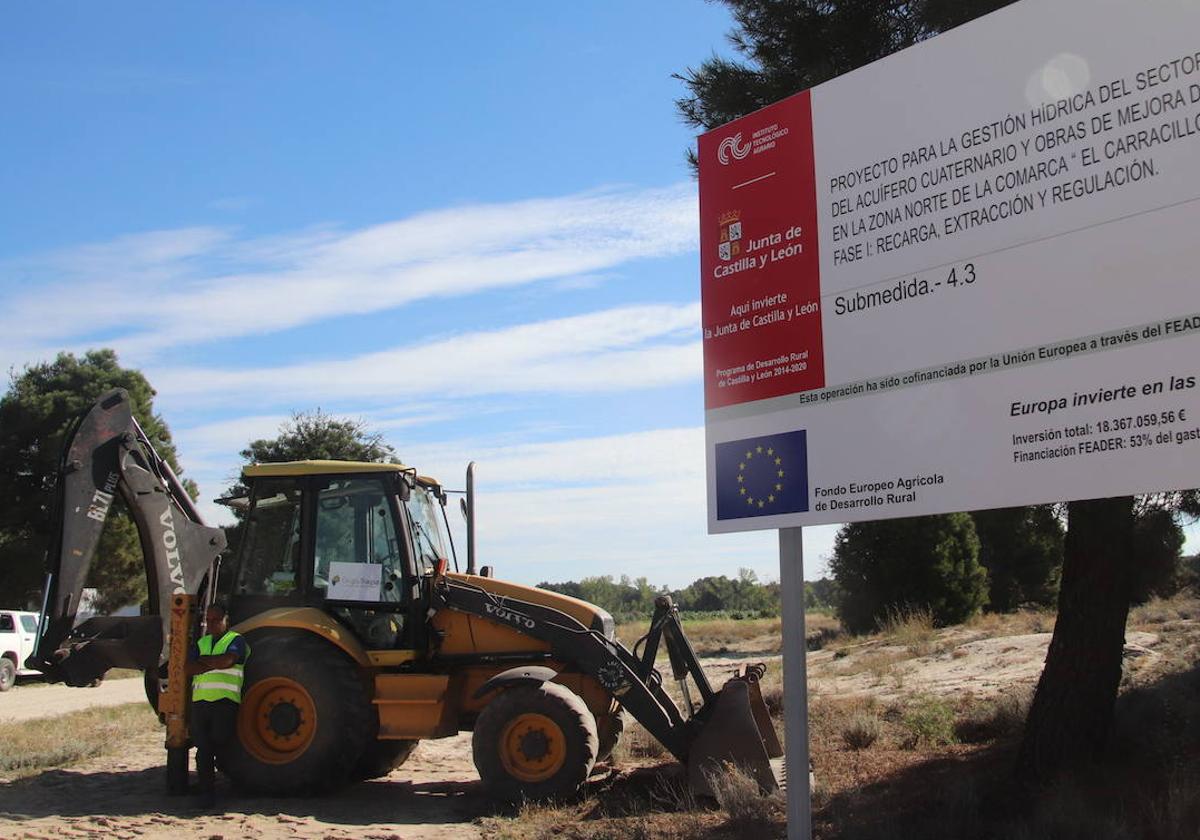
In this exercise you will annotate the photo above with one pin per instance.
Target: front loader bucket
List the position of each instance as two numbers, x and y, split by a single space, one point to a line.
101 643
736 733
752 674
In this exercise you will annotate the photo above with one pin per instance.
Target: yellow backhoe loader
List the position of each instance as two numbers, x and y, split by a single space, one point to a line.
363 640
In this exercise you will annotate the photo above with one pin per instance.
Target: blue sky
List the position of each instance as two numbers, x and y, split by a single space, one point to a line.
469 225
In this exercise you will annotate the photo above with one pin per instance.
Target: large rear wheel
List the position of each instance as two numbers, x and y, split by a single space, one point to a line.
382 757
535 742
304 721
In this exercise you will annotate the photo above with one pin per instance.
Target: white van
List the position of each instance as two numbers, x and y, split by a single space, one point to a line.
18 632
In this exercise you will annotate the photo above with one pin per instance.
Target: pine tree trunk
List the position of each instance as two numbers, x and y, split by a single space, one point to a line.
1071 715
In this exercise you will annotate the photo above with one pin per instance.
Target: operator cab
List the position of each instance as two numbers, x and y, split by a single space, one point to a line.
354 539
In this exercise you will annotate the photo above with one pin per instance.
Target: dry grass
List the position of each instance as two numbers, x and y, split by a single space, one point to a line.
637 745
643 805
738 795
942 769
1159 611
911 628
880 664
716 637
862 731
720 635
30 746
123 674
981 722
771 687
1019 623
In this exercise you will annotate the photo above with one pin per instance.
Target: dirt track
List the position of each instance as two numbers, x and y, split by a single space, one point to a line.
434 795
30 700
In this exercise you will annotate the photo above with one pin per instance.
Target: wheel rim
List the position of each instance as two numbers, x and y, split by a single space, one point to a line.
532 747
277 721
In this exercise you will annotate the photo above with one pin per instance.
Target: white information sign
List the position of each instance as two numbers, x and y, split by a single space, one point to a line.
355 581
963 277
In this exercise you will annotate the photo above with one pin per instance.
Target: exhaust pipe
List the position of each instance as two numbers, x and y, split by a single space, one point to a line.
471 518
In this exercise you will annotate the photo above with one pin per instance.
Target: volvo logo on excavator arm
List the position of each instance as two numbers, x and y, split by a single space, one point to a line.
171 544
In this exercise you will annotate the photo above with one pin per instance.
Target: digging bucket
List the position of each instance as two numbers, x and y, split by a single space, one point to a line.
738 732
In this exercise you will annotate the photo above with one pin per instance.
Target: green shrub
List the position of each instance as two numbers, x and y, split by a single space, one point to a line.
861 731
929 721
993 719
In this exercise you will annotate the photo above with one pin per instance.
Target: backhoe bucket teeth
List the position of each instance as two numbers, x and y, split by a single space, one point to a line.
752 674
732 735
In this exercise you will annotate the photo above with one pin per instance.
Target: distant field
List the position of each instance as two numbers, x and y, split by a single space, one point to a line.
717 636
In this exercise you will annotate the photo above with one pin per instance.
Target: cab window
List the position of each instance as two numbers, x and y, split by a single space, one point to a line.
425 519
6 624
357 554
29 623
270 562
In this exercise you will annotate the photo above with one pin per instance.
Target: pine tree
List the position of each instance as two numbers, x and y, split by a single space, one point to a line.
34 413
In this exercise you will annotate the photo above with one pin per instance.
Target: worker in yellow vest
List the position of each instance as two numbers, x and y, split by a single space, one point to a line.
215 662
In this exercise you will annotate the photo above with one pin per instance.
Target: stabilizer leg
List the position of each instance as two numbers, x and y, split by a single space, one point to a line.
172 703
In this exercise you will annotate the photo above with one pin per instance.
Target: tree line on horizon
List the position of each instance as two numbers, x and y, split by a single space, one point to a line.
952 566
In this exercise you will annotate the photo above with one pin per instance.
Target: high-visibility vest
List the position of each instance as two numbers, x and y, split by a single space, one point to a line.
222 683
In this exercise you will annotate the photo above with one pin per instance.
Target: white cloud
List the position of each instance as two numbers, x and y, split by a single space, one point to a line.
616 349
165 288
609 505
219 436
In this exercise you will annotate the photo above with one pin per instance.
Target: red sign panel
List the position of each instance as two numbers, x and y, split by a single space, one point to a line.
760 287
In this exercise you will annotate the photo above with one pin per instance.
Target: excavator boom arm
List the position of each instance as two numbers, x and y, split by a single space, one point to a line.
107 454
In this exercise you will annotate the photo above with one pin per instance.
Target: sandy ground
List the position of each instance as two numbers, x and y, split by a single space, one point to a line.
960 664
434 795
29 700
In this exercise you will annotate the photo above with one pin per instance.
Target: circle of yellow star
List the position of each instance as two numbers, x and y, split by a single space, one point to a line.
770 498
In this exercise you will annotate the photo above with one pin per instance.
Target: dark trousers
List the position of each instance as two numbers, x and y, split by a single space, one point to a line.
214 726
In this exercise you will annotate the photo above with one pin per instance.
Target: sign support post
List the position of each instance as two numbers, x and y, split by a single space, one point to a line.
795 684
919 273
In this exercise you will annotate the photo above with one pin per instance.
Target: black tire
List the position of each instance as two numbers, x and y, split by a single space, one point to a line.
556 722
610 734
305 718
382 757
8 673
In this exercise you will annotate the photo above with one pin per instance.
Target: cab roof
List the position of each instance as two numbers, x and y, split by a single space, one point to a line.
289 469
295 468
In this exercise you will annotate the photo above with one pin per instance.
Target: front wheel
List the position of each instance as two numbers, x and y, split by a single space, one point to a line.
535 742
304 719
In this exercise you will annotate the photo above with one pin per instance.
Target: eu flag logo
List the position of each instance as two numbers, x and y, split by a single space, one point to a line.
762 476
